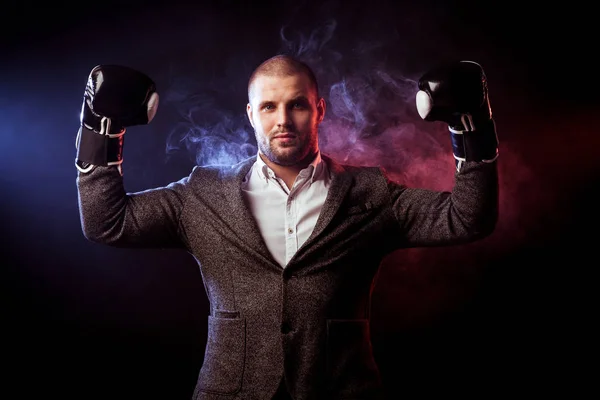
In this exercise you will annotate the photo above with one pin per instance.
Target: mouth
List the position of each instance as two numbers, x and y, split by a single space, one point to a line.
285 138
284 135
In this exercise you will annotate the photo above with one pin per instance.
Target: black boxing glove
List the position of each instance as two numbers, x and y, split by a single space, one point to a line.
115 97
457 94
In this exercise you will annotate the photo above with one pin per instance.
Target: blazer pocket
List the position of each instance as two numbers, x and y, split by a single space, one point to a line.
227 314
224 357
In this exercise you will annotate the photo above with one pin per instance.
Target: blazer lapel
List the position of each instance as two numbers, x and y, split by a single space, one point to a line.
340 184
241 218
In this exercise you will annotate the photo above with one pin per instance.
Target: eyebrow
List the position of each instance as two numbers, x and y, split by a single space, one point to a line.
300 98
297 99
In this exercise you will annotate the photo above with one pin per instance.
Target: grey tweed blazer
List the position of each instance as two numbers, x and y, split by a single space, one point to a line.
307 323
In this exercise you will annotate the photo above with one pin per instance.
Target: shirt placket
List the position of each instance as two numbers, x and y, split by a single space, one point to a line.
291 237
291 218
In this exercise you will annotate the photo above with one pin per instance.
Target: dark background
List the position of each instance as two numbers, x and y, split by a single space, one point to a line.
512 313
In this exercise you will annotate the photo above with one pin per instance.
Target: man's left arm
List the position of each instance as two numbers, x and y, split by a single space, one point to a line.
456 94
433 218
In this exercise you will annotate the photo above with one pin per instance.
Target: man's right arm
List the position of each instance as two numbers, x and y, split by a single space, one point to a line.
111 216
117 97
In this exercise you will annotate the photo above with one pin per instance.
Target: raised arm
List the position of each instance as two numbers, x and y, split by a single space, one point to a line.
117 97
456 94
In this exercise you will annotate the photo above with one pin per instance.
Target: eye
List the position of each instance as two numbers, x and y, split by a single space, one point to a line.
268 107
299 105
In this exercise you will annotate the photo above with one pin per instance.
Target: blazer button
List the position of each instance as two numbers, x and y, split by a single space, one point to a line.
285 327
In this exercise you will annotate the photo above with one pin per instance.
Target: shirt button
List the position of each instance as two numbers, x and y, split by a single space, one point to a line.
290 231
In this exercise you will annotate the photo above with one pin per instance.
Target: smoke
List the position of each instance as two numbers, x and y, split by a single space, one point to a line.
208 131
370 118
371 115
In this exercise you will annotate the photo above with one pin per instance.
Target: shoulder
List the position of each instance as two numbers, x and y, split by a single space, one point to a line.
368 185
360 172
220 173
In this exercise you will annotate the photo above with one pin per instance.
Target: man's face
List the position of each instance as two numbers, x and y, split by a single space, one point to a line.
285 113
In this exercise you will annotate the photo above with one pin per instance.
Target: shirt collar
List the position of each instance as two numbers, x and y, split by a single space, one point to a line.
313 170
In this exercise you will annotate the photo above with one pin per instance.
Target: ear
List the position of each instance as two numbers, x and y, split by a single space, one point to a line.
321 107
249 113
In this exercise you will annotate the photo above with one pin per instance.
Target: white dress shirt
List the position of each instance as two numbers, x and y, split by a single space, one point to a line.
286 218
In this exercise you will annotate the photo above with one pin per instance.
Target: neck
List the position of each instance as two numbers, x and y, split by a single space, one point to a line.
288 173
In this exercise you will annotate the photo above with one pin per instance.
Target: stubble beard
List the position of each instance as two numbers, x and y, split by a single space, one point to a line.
290 154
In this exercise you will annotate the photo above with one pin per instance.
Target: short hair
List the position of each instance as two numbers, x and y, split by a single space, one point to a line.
283 65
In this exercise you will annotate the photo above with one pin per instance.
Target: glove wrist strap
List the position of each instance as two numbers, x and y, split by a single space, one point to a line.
479 144
98 149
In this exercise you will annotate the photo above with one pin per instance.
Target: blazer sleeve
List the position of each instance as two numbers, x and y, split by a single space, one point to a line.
433 218
111 216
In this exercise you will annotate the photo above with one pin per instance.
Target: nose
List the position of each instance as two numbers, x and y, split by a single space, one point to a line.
283 117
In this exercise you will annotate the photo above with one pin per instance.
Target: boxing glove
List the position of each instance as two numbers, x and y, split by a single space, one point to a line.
115 98
457 94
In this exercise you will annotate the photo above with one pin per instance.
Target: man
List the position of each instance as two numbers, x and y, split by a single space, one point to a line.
289 241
